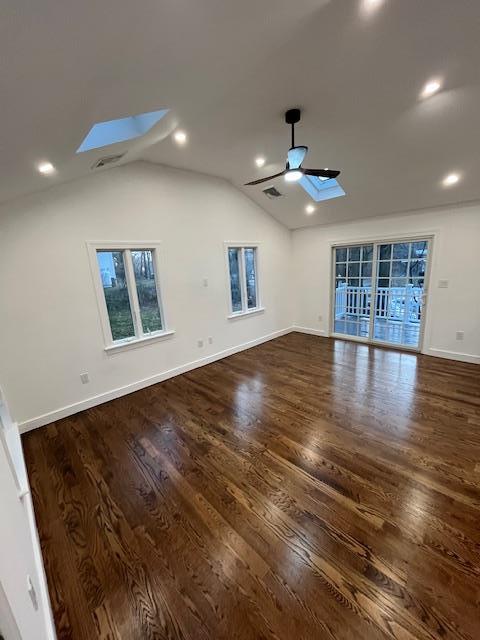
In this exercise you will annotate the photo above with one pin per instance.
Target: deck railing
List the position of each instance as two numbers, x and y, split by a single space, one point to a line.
392 303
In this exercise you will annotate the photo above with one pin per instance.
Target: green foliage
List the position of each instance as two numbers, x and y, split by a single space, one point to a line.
118 306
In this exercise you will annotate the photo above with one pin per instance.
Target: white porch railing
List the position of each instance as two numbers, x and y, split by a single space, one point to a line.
392 303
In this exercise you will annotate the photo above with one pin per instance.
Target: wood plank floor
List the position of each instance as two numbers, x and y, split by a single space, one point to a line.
304 489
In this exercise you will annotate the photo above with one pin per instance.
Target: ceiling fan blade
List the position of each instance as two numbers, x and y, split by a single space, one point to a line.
296 155
254 182
321 173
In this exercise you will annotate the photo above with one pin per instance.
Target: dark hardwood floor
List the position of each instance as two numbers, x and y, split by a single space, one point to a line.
307 488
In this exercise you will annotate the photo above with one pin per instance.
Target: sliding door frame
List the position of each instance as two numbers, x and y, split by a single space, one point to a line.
376 242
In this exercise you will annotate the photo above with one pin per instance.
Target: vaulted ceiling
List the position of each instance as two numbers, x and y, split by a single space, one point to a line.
227 70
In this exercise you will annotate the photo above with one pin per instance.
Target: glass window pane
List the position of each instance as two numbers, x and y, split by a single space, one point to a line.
399 282
112 273
417 268
385 251
383 283
353 254
419 249
251 277
340 270
399 269
353 282
341 254
144 272
354 270
367 253
234 264
364 328
339 326
340 282
351 328
417 282
384 269
400 250
367 270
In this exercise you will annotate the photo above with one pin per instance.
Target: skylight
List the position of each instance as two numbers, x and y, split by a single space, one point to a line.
321 189
103 134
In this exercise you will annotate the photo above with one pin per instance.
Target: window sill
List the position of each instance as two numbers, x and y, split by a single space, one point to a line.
138 342
242 314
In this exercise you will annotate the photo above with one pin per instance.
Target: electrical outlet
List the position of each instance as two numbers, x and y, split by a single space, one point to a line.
84 378
200 343
210 340
460 335
205 282
320 318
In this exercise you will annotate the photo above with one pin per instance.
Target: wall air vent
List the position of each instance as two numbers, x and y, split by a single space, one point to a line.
272 193
102 162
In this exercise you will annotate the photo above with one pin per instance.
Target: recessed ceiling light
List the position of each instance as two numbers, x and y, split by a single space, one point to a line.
451 179
310 209
431 88
180 137
260 161
46 168
293 175
371 5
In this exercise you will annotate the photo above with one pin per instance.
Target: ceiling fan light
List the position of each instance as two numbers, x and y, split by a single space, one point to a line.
294 175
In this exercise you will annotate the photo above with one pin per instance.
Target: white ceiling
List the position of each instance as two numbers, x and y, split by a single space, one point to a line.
228 69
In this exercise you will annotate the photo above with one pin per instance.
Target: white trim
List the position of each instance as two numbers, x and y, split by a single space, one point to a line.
10 436
242 314
452 355
138 342
385 239
41 575
69 410
313 332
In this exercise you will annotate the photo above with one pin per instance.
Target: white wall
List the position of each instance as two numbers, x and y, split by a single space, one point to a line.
455 258
51 329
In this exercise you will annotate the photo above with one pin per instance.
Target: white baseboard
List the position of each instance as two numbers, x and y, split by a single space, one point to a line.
93 401
312 332
452 355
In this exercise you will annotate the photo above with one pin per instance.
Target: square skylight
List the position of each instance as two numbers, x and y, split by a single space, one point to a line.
103 134
321 188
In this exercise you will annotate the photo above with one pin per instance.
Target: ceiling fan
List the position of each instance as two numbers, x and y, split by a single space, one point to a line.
296 155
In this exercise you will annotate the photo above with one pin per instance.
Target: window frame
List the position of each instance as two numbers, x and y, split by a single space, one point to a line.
140 336
245 311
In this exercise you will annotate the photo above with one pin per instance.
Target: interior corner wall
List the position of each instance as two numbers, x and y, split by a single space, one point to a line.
454 258
50 324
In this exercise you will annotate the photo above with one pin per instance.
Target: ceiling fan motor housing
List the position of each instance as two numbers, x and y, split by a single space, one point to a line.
292 116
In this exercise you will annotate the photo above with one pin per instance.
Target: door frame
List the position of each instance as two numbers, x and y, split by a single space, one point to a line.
430 238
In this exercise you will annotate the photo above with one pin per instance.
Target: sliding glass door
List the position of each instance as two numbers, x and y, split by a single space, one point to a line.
379 291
